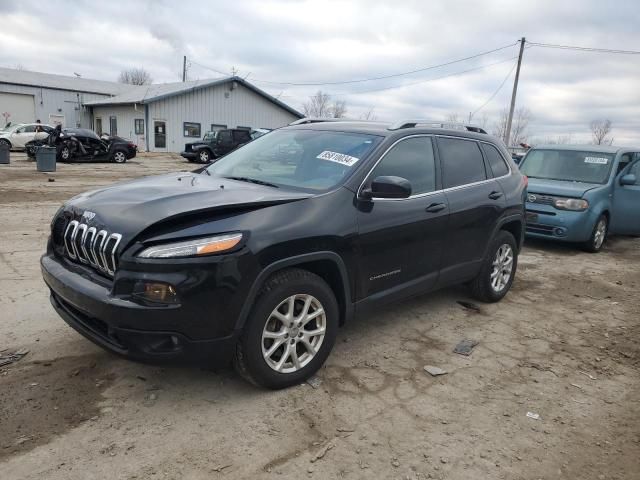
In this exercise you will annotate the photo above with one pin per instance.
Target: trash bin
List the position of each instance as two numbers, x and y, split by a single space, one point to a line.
4 153
46 159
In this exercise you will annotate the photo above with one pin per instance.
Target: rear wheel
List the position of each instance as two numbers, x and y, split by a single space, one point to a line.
498 269
119 156
5 143
598 235
290 332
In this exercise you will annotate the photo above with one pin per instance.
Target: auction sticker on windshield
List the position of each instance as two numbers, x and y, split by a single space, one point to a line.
340 158
598 160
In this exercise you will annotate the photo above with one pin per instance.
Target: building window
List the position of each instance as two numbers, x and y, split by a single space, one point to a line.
191 129
113 126
139 126
217 126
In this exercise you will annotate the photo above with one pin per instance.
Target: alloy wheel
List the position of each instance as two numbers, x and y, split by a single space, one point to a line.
600 233
65 153
119 157
293 333
502 268
204 157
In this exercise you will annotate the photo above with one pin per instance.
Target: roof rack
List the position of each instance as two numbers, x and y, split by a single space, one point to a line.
434 124
302 121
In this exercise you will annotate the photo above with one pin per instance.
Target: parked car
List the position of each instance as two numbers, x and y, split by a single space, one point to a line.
17 136
582 193
258 132
262 261
215 144
83 145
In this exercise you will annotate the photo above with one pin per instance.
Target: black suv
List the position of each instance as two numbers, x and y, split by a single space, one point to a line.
262 260
216 144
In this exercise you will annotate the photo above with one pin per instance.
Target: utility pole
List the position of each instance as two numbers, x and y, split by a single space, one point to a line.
184 68
507 134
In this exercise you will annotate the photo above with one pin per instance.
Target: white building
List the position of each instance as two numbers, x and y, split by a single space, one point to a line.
159 117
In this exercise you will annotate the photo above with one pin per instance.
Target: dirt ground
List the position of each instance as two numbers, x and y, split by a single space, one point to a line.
563 344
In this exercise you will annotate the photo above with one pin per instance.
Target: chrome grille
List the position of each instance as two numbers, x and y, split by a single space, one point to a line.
89 246
539 198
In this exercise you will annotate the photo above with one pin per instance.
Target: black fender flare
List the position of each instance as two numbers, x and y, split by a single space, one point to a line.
262 277
508 219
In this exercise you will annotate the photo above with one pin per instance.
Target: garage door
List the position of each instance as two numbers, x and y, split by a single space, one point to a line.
21 108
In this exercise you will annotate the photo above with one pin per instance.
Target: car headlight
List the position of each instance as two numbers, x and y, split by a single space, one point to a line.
571 204
193 248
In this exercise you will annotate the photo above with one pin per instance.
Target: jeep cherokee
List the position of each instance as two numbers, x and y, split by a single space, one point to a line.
258 260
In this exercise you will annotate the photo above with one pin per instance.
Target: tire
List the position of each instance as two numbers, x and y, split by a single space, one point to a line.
119 156
204 156
598 235
266 326
492 283
65 154
5 142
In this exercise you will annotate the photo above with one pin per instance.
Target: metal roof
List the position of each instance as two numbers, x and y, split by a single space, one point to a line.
62 82
160 91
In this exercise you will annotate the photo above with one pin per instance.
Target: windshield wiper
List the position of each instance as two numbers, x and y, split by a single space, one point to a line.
253 180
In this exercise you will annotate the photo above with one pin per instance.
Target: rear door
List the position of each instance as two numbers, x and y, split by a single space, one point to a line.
625 215
400 240
225 142
476 202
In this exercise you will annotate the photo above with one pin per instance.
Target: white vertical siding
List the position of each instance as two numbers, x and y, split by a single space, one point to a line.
242 107
50 101
125 117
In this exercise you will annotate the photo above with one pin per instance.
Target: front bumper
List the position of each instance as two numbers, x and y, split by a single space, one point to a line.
116 324
545 221
189 155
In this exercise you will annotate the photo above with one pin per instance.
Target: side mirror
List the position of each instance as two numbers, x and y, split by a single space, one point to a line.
388 187
628 179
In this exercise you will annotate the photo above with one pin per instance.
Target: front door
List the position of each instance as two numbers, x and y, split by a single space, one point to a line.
400 241
160 134
625 215
476 202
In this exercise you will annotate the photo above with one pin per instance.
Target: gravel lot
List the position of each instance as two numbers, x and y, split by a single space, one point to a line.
563 344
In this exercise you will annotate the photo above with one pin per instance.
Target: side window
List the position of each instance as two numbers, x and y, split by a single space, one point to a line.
411 159
30 129
495 160
635 168
241 136
224 136
139 126
461 162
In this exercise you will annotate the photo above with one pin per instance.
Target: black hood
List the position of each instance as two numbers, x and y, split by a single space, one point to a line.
130 208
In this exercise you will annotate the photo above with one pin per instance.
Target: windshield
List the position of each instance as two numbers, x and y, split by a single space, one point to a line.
209 136
306 159
569 165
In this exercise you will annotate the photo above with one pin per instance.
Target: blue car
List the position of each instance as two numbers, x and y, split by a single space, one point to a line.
582 193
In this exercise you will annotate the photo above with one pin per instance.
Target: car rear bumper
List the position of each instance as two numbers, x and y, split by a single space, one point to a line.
107 321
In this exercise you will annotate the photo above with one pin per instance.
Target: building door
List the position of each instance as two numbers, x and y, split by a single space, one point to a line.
17 108
113 126
160 134
99 126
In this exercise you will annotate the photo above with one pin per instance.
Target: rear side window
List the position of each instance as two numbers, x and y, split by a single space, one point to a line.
411 159
241 136
496 162
224 136
461 162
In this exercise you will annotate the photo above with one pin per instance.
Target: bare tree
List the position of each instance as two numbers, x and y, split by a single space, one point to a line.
519 125
453 118
135 76
600 131
369 115
551 140
320 106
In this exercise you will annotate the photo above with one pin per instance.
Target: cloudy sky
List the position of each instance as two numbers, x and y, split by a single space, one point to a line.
279 42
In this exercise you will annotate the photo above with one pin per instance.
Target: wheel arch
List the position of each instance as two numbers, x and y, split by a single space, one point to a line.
327 265
515 226
7 141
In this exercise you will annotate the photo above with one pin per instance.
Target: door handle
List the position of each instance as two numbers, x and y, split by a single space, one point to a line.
495 195
435 207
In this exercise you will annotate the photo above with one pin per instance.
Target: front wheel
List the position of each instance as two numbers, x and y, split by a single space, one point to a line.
65 154
498 269
598 235
119 157
290 332
5 143
204 156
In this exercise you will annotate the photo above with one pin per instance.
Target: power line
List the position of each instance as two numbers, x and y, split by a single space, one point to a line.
370 79
455 74
494 93
584 49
